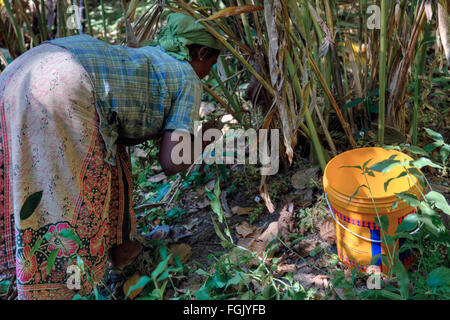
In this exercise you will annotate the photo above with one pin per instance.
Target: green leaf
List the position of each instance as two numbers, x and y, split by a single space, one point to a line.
417 150
426 209
30 205
435 135
316 250
357 167
422 162
394 205
160 268
217 188
218 282
439 277
142 282
70 234
409 223
403 279
430 147
202 272
217 208
408 198
445 151
438 200
365 164
236 279
356 192
375 258
402 174
390 240
418 174
385 165
353 103
390 295
392 148
430 225
218 232
202 294
51 260
382 222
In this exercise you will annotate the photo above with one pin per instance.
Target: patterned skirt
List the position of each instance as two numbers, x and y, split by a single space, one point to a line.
50 143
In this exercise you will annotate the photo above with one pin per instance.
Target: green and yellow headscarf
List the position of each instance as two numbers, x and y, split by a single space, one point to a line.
180 31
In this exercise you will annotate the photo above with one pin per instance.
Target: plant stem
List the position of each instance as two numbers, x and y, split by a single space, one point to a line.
16 26
86 9
105 30
382 75
419 66
391 257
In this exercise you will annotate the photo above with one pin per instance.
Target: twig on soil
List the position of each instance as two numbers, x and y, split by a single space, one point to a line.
304 260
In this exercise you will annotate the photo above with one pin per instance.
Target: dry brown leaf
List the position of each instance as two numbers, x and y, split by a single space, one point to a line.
258 246
301 178
245 242
287 221
184 251
321 281
305 246
244 229
263 192
327 230
131 282
232 11
286 268
270 233
242 211
192 283
306 279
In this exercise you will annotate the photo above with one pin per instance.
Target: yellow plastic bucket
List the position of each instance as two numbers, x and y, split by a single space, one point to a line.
358 237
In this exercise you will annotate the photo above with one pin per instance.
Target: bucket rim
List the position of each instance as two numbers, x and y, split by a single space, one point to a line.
378 195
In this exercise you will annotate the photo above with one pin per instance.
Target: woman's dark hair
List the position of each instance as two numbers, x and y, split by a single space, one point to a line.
195 48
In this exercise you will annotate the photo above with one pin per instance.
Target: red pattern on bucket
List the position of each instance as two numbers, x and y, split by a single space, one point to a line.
361 268
408 261
403 217
360 223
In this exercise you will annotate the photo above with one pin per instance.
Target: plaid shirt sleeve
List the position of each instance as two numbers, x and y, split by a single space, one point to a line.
185 108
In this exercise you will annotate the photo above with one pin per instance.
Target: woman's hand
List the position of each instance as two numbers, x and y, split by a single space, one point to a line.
167 146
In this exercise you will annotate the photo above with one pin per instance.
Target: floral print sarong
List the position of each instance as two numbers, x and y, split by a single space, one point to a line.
49 141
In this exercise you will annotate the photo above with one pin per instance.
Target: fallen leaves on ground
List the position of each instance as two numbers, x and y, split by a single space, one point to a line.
306 246
242 211
184 251
327 230
287 222
255 240
270 233
286 268
131 281
245 229
301 178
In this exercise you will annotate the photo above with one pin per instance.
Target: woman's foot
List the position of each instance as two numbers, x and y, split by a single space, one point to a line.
125 253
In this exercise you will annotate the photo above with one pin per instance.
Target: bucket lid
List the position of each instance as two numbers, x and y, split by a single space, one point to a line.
343 181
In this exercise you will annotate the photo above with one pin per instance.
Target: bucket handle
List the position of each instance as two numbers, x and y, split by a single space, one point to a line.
345 228
355 234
